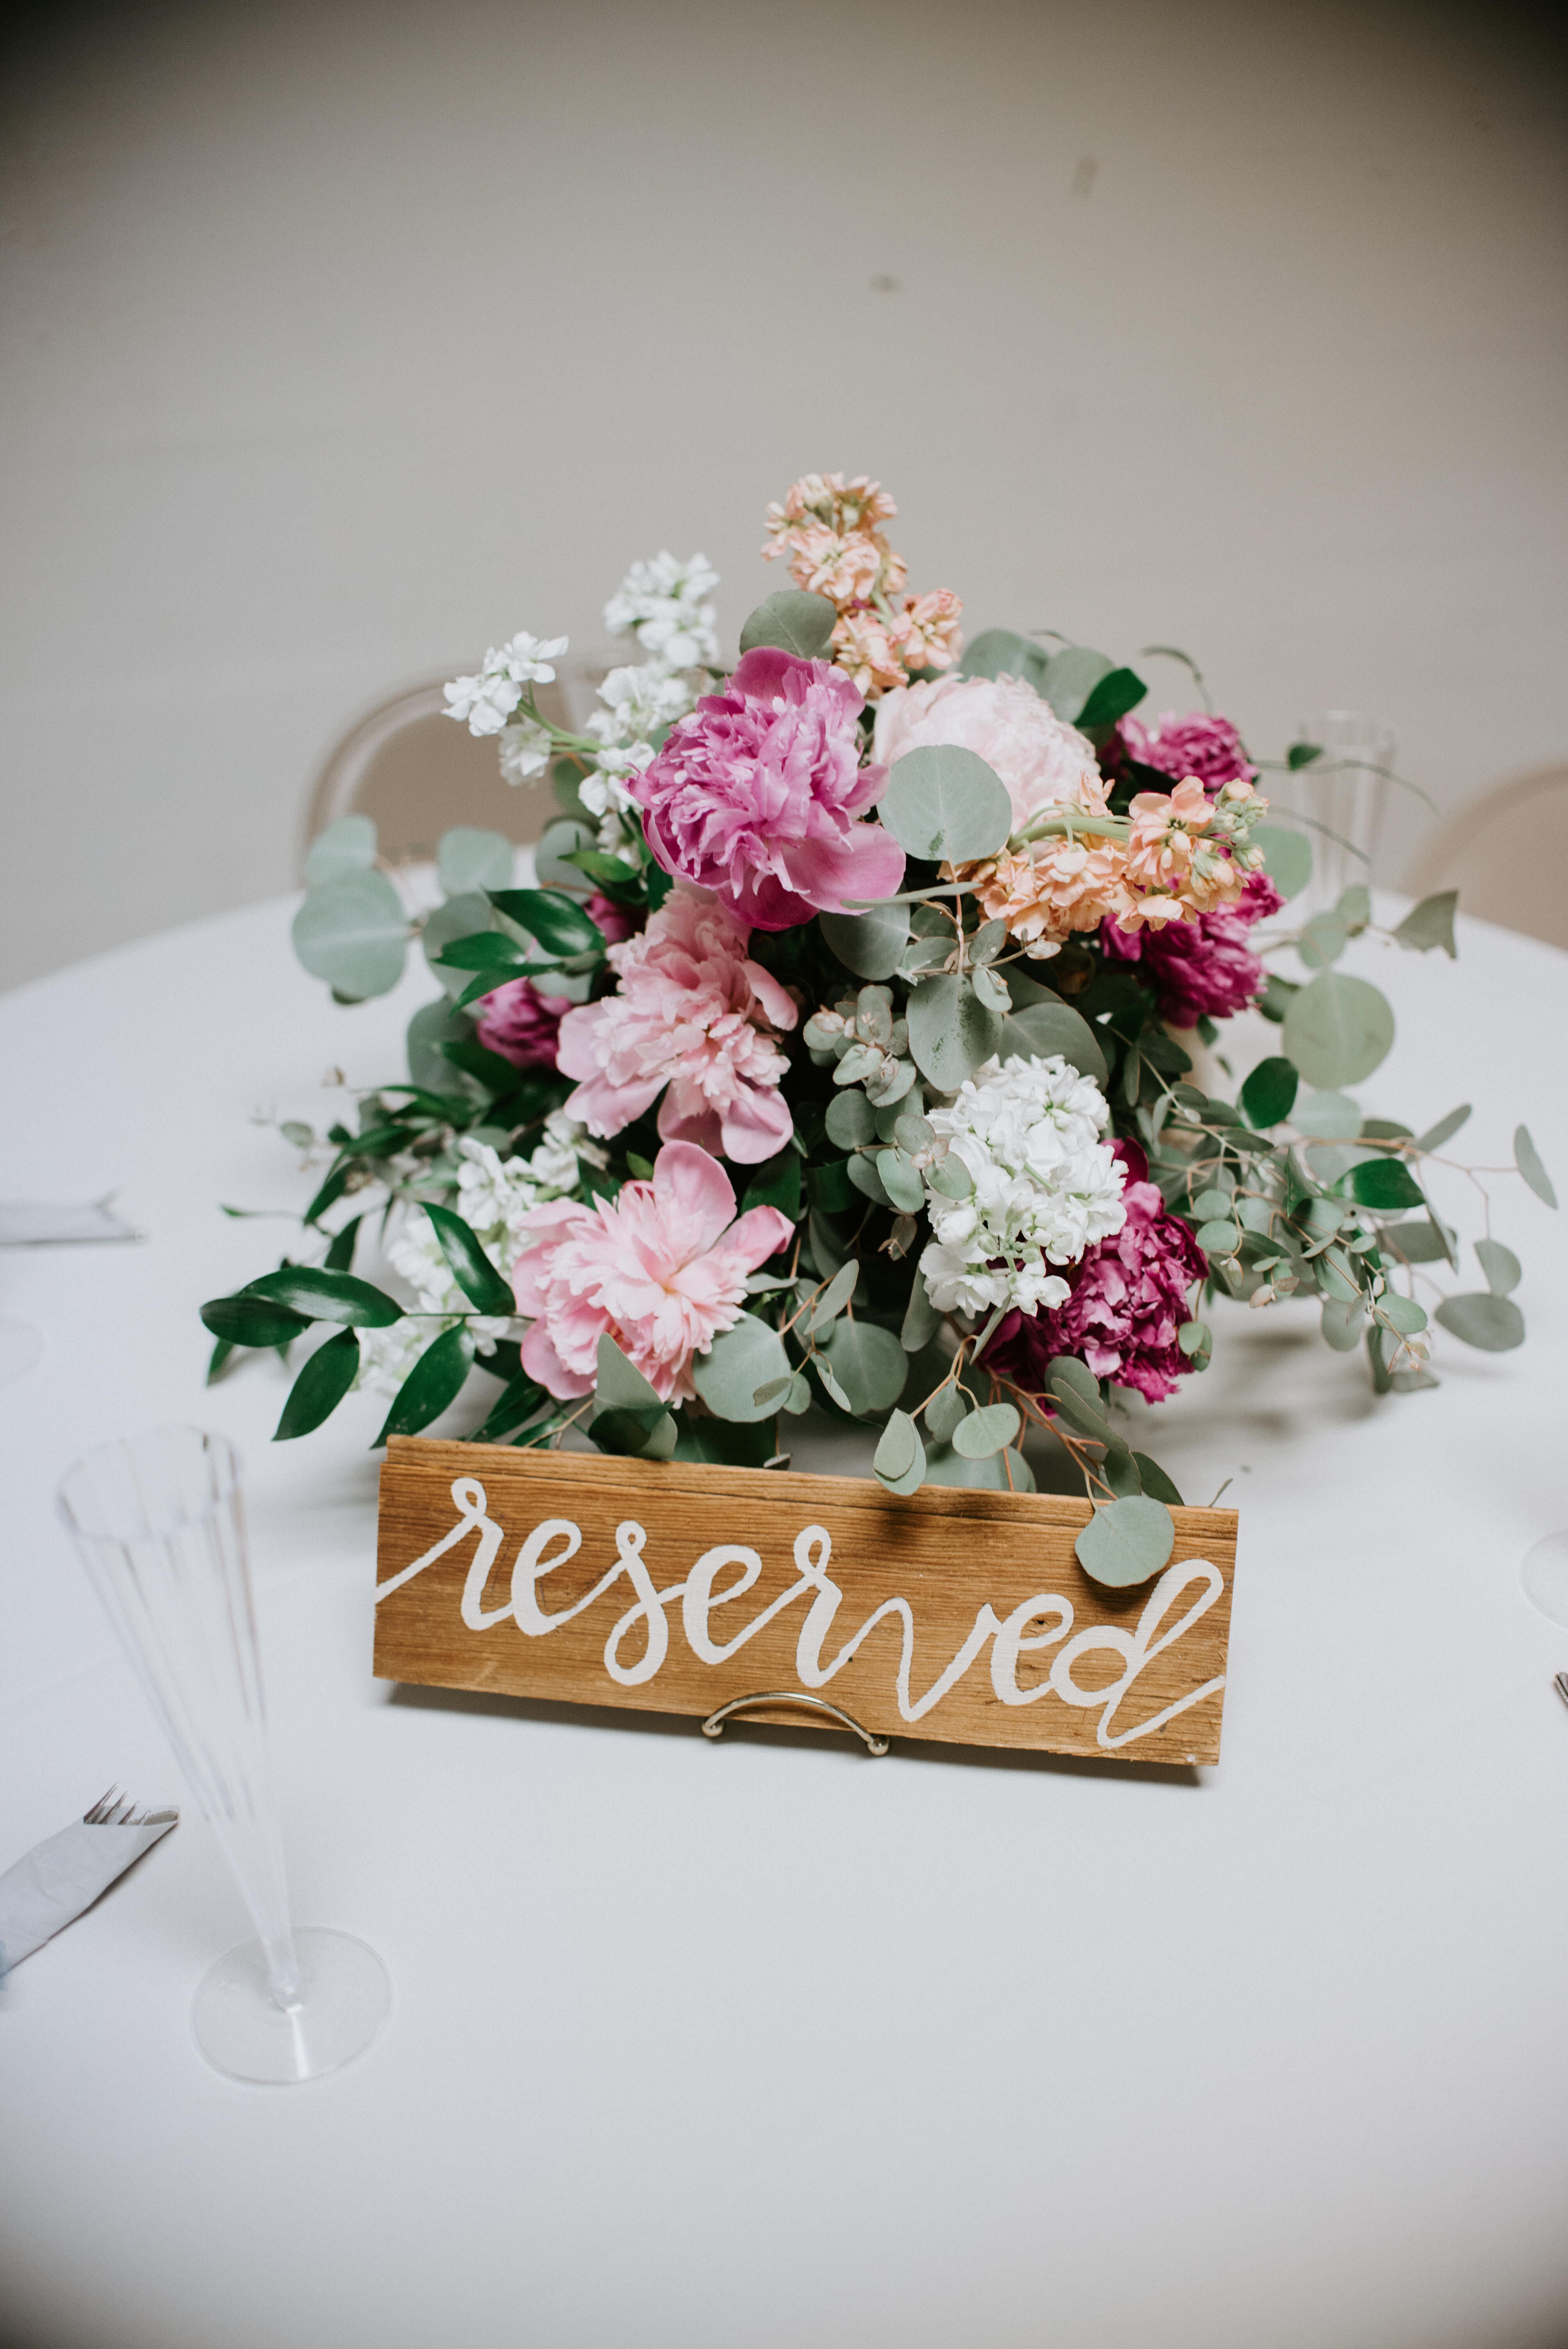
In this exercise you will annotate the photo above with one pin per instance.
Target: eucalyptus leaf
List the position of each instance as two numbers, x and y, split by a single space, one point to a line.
900 1181
346 846
352 932
1424 1242
634 1435
1126 1542
1045 1030
320 1387
1327 1117
869 1363
1407 1316
946 1407
850 1120
1528 1160
1503 1268
1193 1338
942 802
464 917
950 1032
1156 1483
1430 923
981 1433
799 1398
1071 676
436 1380
1495 1324
618 1384
1337 1029
1384 1184
1341 1320
1269 1094
468 858
897 1448
740 1361
863 1175
793 622
1000 1472
554 858
433 1025
1445 1129
1067 1370
1287 857
999 652
1323 941
873 944
950 1178
921 1319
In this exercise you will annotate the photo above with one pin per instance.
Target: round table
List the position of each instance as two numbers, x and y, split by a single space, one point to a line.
767 2041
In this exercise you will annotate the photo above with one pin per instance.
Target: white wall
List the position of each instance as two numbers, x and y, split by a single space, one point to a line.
340 340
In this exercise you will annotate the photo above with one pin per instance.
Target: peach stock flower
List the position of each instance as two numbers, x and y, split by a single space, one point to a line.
693 1014
1053 889
661 1270
927 633
1169 863
864 650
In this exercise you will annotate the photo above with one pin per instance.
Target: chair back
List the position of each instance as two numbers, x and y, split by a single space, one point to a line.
417 772
1507 855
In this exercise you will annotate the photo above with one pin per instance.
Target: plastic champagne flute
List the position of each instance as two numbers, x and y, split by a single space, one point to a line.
159 1522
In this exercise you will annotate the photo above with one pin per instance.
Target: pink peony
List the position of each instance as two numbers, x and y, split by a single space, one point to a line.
755 795
1041 760
1209 748
1129 1298
1203 968
521 1024
694 1014
662 1269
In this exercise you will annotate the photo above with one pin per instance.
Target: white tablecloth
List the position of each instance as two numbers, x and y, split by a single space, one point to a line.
767 2041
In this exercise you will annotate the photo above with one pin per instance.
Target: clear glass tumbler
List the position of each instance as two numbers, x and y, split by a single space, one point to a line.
1341 799
158 1521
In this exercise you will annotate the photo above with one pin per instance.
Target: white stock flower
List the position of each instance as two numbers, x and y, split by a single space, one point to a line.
487 701
1045 1186
662 602
524 751
638 701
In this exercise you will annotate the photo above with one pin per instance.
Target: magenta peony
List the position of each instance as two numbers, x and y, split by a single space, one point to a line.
1003 721
1204 968
693 1014
1207 746
756 794
521 1024
1129 1299
661 1268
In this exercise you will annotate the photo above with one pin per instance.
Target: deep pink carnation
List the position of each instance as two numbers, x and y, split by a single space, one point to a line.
521 1024
755 795
1205 966
1129 1299
1209 748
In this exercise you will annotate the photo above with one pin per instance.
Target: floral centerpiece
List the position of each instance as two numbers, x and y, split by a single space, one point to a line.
853 1053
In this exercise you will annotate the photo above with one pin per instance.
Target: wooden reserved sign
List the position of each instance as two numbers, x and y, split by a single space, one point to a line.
952 1614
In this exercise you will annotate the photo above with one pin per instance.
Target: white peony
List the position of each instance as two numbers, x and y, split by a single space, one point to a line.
1042 760
1044 1186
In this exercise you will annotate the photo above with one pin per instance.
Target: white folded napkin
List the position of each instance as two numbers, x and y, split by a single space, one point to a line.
40 1222
65 1873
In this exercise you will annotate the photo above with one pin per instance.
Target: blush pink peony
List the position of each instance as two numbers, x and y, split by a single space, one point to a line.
1042 760
661 1270
757 795
693 1014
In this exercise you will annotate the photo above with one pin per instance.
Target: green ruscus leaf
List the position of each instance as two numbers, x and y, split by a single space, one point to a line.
436 1379
252 1321
328 1296
320 1386
473 1270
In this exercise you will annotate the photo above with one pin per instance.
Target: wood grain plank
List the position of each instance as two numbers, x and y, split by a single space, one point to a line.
955 1615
